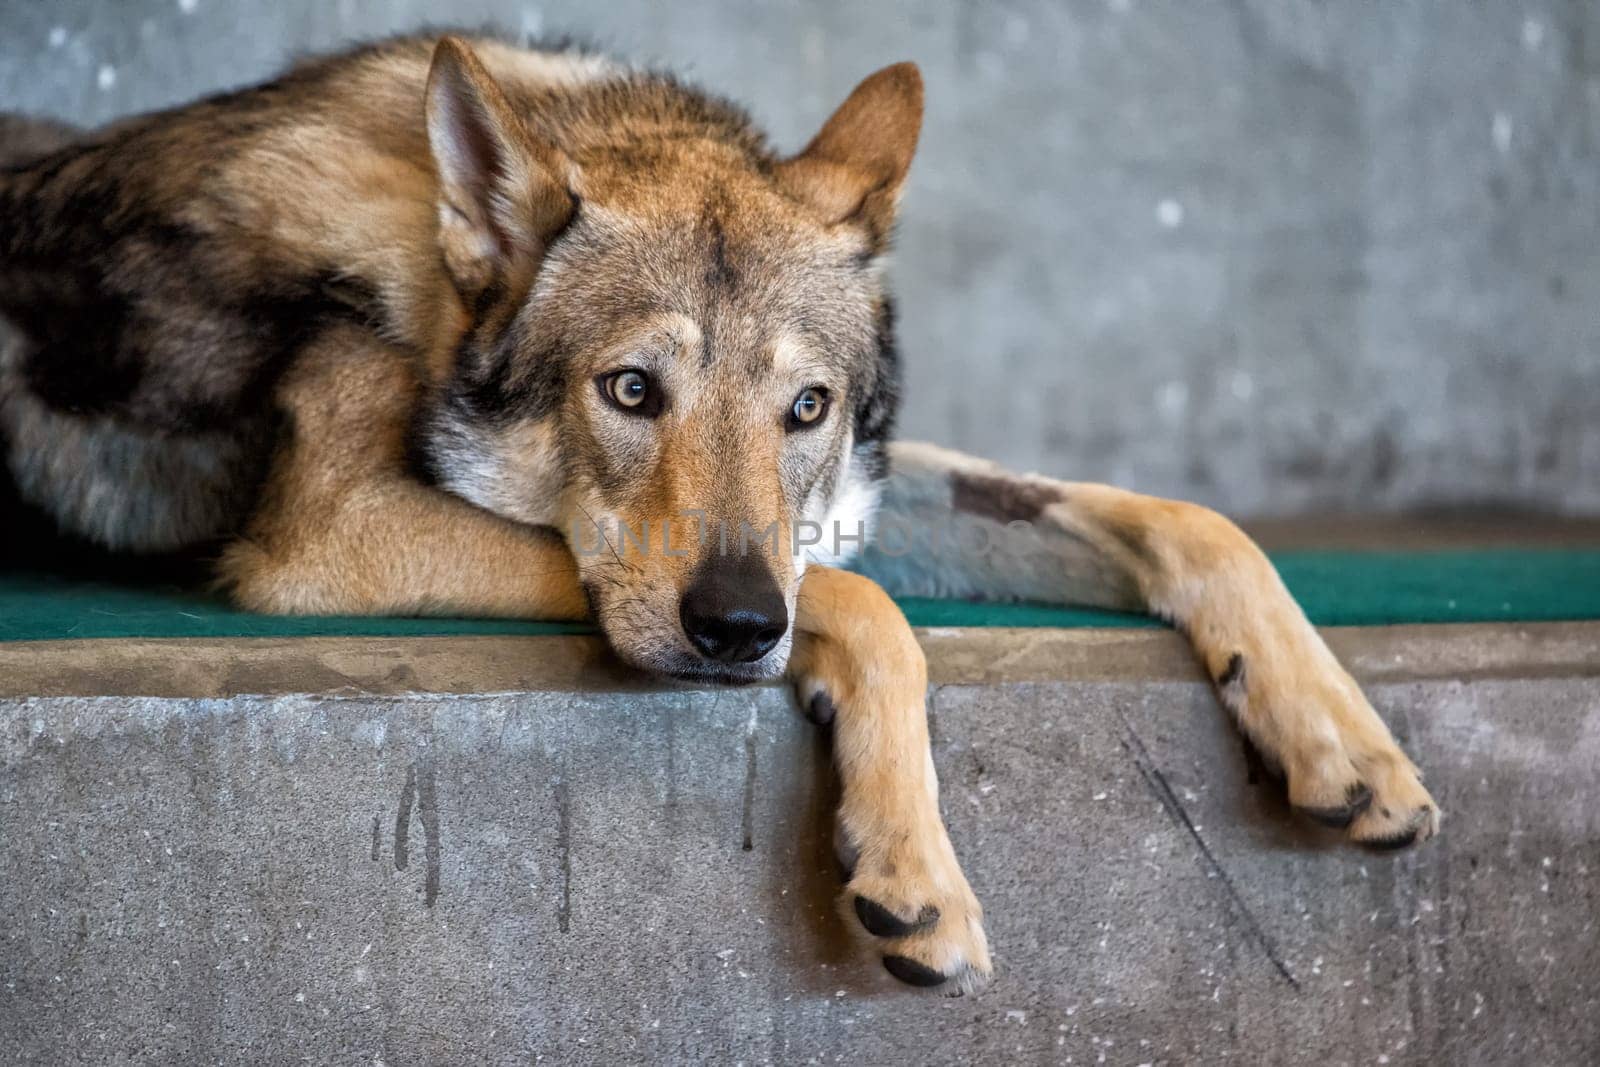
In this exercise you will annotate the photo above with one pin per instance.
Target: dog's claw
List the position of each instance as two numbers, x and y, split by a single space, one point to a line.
1357 799
911 972
1381 831
820 709
881 922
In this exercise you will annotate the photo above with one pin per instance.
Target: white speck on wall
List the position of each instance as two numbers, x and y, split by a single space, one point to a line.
1173 399
814 46
188 6
1501 130
1017 30
58 36
106 77
1532 34
1120 7
1243 386
1016 1016
1170 214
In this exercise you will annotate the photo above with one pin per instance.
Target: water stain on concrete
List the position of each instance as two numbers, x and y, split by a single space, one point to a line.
420 794
747 818
402 820
428 809
564 847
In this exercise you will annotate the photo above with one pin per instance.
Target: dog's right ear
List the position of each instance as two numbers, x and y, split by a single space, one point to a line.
503 191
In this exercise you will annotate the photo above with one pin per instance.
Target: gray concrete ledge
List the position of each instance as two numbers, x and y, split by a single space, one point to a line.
487 850
390 666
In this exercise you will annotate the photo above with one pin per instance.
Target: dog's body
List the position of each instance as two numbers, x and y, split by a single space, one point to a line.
389 327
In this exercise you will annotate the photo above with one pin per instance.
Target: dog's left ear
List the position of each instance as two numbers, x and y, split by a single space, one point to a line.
853 169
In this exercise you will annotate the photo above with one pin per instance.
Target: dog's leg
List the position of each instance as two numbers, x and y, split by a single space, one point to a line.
857 665
954 525
343 529
399 549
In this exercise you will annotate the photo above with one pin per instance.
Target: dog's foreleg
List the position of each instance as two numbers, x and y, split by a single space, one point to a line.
400 549
857 666
343 529
951 525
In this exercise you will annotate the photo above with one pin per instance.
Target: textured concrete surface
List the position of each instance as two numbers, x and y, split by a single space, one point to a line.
354 865
1275 255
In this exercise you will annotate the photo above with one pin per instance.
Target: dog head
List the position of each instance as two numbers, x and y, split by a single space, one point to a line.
679 349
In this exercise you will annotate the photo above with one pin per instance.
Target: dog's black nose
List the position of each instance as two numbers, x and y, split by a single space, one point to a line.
734 611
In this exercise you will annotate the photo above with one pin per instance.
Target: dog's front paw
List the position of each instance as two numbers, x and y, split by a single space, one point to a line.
904 890
1314 725
907 893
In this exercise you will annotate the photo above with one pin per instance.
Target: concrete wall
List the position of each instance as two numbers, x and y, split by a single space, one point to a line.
354 866
1276 255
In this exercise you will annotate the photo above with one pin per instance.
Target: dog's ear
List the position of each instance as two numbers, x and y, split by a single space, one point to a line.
854 168
503 191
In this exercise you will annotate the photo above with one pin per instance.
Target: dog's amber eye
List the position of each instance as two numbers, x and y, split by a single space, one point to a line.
631 391
629 388
809 407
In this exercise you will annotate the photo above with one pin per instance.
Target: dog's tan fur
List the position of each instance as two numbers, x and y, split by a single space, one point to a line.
459 241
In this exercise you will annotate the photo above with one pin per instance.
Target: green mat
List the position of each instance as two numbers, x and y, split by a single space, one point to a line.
1336 589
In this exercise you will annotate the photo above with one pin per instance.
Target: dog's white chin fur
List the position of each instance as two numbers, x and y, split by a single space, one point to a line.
845 520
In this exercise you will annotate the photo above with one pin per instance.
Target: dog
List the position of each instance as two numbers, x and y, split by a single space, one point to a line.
446 324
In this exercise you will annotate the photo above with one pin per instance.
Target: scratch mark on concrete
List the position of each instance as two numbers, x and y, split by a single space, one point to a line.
748 817
1174 808
564 846
377 826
